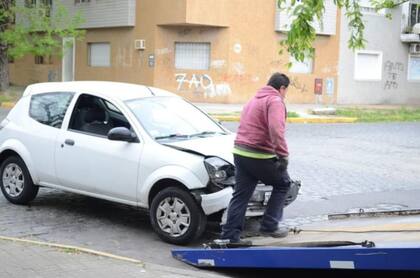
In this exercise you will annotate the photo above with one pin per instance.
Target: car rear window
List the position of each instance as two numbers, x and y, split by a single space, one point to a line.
50 108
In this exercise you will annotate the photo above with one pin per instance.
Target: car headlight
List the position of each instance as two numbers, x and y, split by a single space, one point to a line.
221 172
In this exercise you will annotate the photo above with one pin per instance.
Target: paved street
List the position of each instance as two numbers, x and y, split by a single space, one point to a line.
342 167
345 167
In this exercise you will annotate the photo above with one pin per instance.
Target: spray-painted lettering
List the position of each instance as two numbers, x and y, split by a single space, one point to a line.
201 83
298 85
393 71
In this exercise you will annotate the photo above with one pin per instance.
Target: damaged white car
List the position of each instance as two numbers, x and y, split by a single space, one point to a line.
126 143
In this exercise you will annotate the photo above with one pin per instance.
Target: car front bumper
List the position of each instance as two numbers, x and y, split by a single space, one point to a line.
218 201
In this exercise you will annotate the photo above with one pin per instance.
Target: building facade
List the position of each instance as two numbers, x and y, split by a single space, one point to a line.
205 51
387 71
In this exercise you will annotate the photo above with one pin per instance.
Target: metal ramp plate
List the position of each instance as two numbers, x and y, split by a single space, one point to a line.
396 238
361 258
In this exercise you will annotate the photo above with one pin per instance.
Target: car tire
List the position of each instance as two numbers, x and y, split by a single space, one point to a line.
16 182
176 216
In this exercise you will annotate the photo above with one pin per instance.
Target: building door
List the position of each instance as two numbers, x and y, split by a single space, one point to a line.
68 59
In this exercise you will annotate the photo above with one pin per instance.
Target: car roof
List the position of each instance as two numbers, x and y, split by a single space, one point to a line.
120 90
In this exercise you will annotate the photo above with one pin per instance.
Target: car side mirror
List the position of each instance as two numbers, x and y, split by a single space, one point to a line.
122 134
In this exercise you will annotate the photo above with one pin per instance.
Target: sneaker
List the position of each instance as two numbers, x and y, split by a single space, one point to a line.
279 233
227 243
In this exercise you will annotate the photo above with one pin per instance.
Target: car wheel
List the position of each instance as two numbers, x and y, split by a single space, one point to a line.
176 217
15 181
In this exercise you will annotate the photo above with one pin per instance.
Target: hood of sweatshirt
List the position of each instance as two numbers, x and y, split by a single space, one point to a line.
267 91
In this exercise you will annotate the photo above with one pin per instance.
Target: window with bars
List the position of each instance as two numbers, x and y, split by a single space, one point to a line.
30 3
43 60
43 6
192 55
81 1
414 14
39 60
33 3
99 54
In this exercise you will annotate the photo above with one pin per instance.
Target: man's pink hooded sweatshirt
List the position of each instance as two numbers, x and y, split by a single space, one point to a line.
263 123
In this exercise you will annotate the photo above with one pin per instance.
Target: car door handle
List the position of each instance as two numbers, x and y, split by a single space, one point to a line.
69 142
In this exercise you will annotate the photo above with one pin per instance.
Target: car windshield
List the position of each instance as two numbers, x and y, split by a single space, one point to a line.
172 118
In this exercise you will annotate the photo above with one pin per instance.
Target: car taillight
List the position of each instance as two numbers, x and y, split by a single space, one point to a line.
4 123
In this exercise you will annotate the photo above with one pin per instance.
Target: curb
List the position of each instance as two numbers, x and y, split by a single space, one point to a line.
74 248
326 120
145 266
7 104
335 120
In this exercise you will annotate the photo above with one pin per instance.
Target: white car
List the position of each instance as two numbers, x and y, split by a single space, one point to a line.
125 143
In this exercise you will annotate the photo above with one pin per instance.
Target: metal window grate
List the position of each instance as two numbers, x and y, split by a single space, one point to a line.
99 54
195 56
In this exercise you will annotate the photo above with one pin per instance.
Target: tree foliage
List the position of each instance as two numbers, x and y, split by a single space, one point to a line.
300 37
36 29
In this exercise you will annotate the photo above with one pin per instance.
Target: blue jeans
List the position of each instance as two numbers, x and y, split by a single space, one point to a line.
248 172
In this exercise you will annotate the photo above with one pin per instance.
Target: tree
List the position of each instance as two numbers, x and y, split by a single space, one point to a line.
35 28
300 37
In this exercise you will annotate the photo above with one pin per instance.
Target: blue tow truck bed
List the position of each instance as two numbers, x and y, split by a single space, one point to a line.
378 243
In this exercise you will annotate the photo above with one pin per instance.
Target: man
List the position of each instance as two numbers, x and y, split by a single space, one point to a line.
261 154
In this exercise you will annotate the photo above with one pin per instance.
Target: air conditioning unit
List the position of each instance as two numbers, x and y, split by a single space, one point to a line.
415 48
140 44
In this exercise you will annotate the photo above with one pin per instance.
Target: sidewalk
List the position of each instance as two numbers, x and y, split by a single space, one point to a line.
31 260
231 113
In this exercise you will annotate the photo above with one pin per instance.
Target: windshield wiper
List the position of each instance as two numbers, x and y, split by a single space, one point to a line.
172 136
207 133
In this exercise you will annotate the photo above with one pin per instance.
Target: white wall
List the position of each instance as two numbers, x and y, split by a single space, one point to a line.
393 87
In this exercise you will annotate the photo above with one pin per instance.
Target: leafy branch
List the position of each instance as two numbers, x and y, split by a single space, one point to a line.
302 34
37 30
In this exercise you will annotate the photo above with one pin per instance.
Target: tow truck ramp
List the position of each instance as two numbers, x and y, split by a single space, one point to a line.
383 243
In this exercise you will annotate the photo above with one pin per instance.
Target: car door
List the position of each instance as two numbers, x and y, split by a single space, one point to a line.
86 160
46 114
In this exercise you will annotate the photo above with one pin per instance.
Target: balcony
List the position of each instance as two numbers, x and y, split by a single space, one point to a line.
192 12
104 13
410 38
410 32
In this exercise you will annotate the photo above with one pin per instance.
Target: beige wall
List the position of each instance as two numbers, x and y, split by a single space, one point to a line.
127 64
243 56
24 71
194 12
244 51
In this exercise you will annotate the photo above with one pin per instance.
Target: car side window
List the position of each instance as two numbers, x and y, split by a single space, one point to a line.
93 115
50 108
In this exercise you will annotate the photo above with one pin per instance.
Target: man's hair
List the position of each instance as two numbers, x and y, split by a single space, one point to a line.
278 80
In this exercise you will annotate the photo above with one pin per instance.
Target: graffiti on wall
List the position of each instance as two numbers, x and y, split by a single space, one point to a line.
298 85
393 72
52 75
201 83
124 57
218 64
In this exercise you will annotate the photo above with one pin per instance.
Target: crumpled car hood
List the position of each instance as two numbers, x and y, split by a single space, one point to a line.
222 146
219 145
